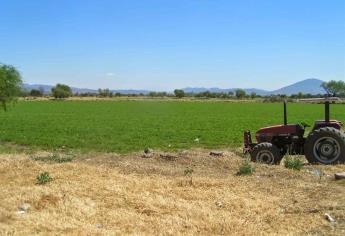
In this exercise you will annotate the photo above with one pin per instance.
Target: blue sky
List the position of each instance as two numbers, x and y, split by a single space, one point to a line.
167 44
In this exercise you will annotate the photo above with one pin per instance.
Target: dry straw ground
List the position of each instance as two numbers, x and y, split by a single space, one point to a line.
109 194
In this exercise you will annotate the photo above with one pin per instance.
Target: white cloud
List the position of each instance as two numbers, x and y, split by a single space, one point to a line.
110 74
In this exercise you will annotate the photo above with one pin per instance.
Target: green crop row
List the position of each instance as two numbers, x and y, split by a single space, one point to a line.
125 126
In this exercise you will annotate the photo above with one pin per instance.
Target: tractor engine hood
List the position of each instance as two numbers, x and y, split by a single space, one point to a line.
279 129
266 134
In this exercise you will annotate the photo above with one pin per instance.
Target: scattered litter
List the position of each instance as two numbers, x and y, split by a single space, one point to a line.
216 153
339 176
99 226
22 209
317 172
196 140
219 204
329 218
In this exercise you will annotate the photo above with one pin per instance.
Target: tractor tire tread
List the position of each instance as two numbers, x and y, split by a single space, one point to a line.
267 146
309 143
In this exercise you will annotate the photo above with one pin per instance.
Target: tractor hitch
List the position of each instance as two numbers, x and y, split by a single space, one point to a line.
247 140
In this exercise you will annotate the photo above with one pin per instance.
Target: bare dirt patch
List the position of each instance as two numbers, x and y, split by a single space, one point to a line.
127 194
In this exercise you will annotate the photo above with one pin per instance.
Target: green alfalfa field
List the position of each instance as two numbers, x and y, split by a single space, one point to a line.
127 126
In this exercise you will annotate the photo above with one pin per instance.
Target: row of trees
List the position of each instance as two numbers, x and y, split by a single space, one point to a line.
333 88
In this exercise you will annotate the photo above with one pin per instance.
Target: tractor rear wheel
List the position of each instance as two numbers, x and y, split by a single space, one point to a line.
325 146
266 153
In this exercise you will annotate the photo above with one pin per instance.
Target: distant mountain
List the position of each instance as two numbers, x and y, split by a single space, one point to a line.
131 91
219 90
312 86
48 88
45 88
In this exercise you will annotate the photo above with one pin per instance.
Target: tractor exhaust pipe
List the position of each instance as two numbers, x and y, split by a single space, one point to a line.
327 111
285 114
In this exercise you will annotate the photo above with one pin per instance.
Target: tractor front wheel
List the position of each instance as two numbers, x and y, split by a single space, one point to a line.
325 146
266 153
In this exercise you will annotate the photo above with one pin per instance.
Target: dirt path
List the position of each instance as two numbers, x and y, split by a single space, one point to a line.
127 194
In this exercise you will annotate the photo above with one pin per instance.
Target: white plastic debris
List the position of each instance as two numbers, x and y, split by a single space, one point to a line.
329 218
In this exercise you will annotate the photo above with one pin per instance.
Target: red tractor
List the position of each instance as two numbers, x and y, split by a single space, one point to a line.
325 143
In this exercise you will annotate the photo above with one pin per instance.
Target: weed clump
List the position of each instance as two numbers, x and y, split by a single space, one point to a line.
246 168
43 178
294 163
188 172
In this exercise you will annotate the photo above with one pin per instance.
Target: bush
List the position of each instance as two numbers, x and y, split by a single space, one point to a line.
294 163
188 172
44 178
36 93
61 91
179 93
246 168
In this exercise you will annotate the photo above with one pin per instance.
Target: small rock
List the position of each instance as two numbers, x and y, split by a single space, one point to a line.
149 155
329 218
21 212
339 176
24 207
216 153
99 226
148 151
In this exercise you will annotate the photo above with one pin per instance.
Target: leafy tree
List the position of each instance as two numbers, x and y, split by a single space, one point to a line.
253 95
334 88
157 94
61 91
10 85
179 93
231 93
105 93
300 95
36 93
240 93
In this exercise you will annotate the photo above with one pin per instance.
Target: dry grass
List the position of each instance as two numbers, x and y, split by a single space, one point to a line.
109 194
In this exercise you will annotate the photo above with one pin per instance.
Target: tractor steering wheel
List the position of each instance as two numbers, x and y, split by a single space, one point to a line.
305 125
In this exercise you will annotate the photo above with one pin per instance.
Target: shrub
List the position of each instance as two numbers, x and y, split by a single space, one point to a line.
189 173
36 93
179 93
294 163
44 178
10 85
61 91
246 168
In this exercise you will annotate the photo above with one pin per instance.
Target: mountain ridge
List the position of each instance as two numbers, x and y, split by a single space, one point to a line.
311 86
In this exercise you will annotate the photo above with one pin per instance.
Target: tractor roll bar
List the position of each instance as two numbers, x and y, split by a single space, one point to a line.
285 114
327 111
